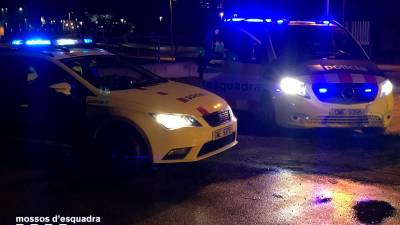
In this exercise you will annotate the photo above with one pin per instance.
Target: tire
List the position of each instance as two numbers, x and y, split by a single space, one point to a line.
118 145
267 111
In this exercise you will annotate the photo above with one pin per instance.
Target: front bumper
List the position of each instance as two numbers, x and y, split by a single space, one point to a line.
199 140
300 112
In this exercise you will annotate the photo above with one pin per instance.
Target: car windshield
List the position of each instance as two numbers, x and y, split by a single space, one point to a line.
112 73
299 43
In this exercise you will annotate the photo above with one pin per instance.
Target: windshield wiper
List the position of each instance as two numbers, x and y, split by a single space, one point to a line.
339 54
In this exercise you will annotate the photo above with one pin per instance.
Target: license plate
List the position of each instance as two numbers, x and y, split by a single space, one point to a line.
347 112
223 132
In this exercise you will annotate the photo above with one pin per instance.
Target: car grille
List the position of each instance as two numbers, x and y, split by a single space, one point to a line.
348 120
218 118
217 144
343 93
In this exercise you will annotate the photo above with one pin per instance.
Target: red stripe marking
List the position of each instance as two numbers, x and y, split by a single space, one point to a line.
345 78
162 93
371 79
184 100
202 110
318 79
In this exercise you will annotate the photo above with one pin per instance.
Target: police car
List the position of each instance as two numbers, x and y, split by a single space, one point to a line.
299 74
62 91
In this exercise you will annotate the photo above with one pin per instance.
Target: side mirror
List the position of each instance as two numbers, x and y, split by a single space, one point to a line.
63 88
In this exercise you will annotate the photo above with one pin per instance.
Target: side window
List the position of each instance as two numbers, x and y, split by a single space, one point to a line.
41 74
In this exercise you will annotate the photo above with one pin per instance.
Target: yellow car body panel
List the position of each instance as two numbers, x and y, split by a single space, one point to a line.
138 105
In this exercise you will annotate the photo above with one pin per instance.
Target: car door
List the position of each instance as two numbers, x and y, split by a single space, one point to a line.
241 66
54 102
12 96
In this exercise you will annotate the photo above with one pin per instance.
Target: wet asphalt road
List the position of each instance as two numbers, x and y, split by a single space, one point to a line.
313 177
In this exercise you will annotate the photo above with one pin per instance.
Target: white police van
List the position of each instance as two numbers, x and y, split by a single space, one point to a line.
299 74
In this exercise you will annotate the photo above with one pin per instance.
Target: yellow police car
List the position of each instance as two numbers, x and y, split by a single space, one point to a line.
65 92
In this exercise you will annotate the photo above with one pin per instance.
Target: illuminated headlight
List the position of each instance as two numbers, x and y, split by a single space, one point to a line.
293 86
387 88
176 121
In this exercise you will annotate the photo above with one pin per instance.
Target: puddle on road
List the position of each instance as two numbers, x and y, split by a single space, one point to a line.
321 200
373 211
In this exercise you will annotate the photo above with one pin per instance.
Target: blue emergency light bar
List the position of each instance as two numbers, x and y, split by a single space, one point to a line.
37 42
47 42
280 21
17 42
253 20
237 19
67 41
276 21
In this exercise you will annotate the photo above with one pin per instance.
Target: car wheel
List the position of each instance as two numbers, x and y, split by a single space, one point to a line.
120 145
268 110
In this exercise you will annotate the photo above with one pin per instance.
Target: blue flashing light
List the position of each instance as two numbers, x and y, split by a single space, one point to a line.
65 41
254 20
268 20
88 41
323 90
237 19
368 90
17 42
37 42
280 21
326 22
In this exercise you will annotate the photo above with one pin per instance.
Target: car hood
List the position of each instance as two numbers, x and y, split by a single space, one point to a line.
170 97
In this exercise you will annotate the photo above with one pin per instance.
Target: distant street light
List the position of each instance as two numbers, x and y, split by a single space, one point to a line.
20 9
160 18
171 30
69 15
221 15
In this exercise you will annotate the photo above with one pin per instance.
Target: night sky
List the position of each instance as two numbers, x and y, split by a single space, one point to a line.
187 12
141 8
